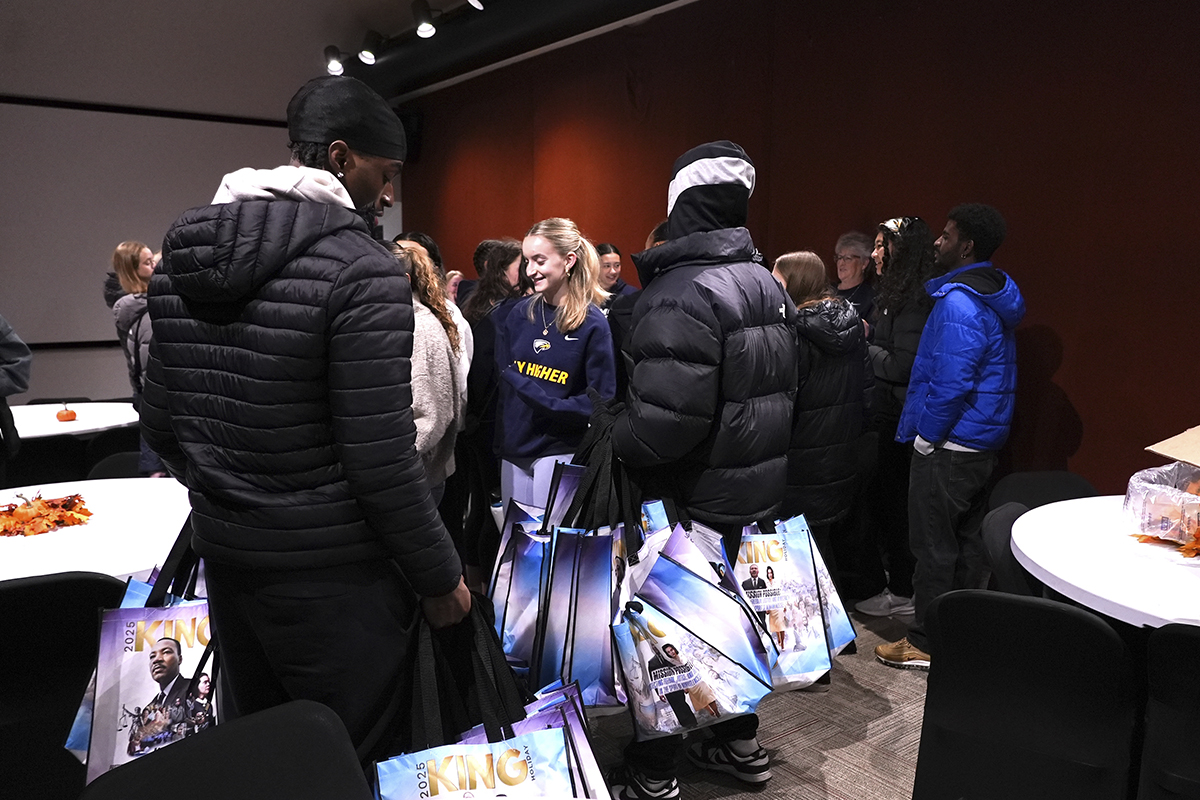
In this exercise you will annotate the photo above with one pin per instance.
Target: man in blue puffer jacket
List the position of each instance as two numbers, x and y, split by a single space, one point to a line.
957 414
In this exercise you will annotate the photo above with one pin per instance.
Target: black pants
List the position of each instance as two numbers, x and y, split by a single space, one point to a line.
338 636
946 505
890 514
860 570
657 759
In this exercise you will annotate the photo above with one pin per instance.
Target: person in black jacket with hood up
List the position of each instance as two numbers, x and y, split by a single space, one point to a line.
709 406
278 390
834 378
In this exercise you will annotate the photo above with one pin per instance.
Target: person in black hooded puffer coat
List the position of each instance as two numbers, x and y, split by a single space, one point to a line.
711 390
834 380
709 406
278 390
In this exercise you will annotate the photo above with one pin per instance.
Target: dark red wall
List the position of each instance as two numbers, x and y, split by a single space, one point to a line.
1081 127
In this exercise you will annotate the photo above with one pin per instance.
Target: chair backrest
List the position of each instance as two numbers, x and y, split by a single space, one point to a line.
42 401
1026 698
1033 489
49 637
114 440
299 750
118 465
1170 768
1007 572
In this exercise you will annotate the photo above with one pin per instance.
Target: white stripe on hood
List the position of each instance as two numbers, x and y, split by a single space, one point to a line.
710 172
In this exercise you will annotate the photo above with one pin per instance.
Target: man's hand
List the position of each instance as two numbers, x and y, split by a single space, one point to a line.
446 610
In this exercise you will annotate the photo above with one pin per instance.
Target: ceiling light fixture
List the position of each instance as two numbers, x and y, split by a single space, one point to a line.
424 18
333 60
370 47
478 4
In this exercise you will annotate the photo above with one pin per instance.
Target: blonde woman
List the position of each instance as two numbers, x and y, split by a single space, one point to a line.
438 399
453 279
552 347
134 263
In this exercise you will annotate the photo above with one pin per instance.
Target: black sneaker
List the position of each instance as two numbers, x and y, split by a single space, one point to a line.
626 784
712 754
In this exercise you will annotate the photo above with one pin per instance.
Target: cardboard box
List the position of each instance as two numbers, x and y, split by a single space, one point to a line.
1183 447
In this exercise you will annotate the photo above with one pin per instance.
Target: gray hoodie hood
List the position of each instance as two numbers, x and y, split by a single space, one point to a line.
263 220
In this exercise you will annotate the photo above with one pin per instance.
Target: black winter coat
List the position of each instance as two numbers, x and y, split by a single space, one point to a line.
893 349
830 415
278 390
709 406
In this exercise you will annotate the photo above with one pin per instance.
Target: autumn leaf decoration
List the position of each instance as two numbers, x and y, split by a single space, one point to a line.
31 517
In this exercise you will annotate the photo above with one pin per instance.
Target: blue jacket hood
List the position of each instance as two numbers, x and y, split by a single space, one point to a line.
992 286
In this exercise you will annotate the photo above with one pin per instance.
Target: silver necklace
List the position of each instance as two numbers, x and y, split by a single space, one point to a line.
545 325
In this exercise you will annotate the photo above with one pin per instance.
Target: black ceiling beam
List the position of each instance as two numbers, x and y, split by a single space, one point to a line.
468 40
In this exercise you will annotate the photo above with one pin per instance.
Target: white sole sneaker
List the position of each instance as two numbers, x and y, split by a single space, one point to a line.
885 604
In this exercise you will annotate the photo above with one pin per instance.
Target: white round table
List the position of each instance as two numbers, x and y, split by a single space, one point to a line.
39 421
134 522
1086 550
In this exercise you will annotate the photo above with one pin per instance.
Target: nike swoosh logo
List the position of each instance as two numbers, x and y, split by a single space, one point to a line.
571 338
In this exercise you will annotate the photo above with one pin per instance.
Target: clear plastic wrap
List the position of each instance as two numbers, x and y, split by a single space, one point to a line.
1164 502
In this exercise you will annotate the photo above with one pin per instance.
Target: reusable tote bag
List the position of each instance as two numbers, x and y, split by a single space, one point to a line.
561 708
529 519
778 577
507 764
530 765
136 594
578 645
152 688
839 630
690 655
517 583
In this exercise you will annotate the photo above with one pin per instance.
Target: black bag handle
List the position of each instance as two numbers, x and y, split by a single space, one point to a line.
497 691
179 570
630 499
501 701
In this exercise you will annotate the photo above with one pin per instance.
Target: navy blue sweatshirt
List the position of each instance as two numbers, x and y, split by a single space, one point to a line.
544 407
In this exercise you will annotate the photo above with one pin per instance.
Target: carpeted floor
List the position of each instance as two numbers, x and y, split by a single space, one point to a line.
857 741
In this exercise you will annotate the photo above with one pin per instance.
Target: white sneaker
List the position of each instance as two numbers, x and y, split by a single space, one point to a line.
886 604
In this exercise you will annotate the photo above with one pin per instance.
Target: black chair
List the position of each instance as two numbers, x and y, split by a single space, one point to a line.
299 750
1170 766
115 440
1007 573
1033 489
49 637
1027 698
43 401
118 465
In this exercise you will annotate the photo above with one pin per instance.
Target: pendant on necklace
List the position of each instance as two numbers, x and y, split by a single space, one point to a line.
546 331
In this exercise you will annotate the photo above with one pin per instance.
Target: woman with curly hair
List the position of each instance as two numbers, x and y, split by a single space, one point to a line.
904 260
438 396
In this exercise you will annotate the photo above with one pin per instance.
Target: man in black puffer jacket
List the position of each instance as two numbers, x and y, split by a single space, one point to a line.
278 390
709 405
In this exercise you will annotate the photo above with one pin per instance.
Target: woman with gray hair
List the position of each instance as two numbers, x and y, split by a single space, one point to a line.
853 261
